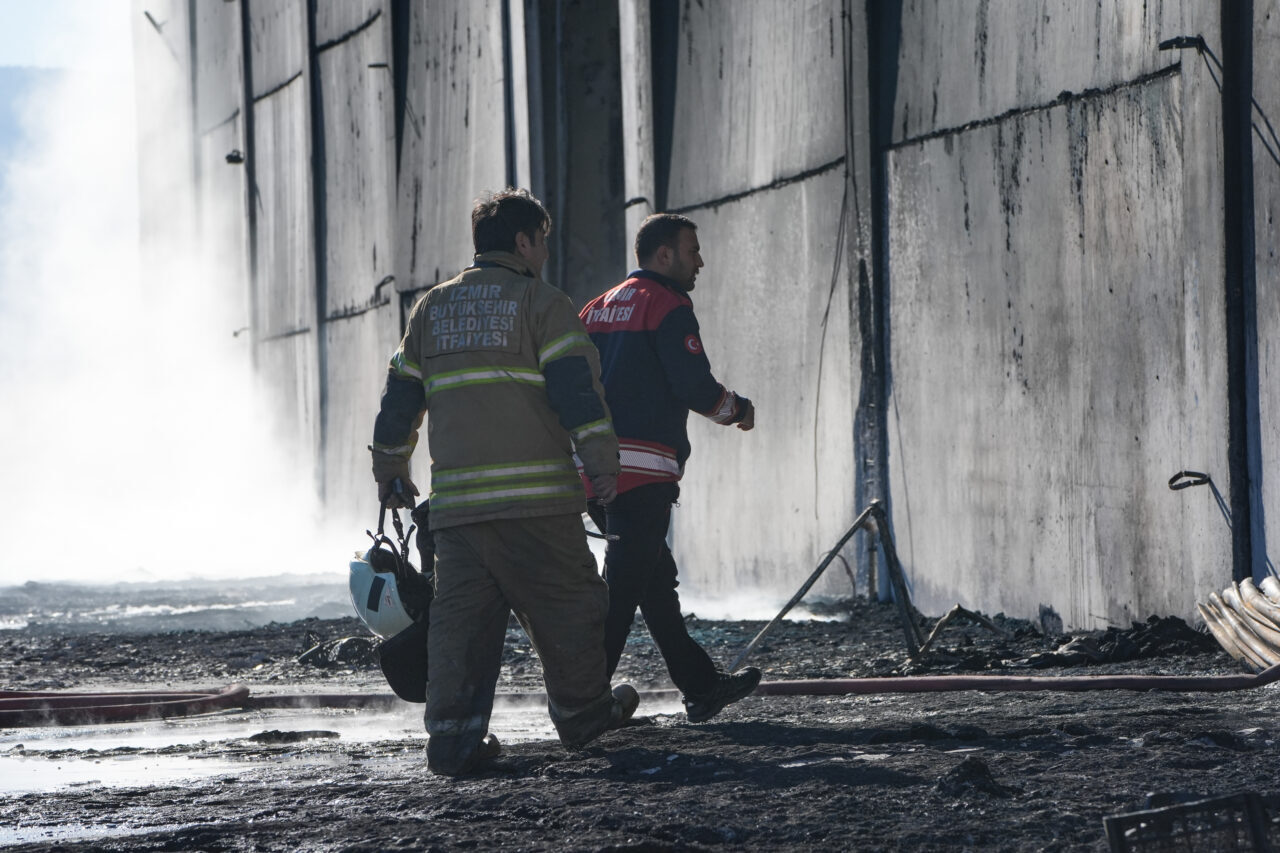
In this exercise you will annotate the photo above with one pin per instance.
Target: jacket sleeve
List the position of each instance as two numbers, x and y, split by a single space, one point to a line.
395 431
570 364
688 370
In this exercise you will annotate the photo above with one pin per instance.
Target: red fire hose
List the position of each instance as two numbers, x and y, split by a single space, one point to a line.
1006 683
62 709
19 709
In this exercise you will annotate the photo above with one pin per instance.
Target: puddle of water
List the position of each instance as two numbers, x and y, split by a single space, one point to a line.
31 774
53 758
351 725
67 832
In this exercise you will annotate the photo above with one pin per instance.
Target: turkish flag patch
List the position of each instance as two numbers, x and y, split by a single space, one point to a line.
692 344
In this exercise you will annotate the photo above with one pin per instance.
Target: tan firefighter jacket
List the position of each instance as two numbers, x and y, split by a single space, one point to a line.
510 383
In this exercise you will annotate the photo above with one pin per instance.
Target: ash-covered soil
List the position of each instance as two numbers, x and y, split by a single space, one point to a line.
935 771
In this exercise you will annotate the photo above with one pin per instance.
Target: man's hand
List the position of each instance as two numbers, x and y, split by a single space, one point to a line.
749 419
605 486
400 492
395 489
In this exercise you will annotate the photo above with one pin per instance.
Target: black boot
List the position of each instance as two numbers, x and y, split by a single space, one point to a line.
726 690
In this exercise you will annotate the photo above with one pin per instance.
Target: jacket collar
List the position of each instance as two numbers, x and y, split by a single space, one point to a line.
660 279
506 260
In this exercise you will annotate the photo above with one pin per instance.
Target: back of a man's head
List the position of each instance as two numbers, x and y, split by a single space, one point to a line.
660 229
498 217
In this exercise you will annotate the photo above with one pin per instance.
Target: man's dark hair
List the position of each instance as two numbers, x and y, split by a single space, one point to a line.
660 229
498 217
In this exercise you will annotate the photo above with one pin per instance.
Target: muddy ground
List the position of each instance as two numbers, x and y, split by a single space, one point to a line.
945 771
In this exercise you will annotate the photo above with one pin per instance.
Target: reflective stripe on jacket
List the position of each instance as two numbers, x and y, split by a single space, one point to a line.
654 372
510 383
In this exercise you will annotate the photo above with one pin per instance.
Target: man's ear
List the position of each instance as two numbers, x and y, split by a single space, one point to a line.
663 256
523 243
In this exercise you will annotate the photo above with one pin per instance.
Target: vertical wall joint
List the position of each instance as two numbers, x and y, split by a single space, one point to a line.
1240 297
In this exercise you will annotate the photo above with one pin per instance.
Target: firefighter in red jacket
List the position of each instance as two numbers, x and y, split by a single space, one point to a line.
655 372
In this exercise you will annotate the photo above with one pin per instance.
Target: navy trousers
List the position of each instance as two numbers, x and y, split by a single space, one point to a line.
641 573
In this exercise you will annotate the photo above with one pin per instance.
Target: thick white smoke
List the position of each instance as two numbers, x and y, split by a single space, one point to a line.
133 445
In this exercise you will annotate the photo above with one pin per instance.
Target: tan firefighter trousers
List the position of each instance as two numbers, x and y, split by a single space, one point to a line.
542 570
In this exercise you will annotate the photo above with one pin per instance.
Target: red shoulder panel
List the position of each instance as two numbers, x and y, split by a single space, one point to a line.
636 305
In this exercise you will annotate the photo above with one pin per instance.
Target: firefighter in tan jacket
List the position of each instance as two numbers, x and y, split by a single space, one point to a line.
500 364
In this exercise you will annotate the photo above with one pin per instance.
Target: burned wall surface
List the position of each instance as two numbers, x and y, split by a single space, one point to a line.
218 82
974 259
352 99
454 144
1056 311
757 157
163 62
1265 185
284 296
578 162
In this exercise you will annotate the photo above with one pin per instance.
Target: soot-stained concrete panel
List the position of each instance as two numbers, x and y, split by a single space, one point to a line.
759 96
278 47
220 151
1266 187
286 254
635 49
285 273
358 355
341 20
970 60
585 185
361 311
284 278
289 368
223 222
219 78
166 170
454 133
1050 367
358 128
759 509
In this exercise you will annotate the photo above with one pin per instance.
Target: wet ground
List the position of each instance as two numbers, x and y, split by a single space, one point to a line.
944 771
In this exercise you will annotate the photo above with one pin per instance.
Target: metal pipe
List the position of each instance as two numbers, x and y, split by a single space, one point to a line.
805 587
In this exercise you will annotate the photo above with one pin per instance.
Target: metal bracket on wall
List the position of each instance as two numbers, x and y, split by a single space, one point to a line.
1201 47
1187 479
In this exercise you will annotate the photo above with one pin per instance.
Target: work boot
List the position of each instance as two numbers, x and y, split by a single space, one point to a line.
585 727
443 755
489 749
726 690
625 702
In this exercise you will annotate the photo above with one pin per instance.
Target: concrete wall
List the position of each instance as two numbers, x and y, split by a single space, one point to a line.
577 150
454 139
353 91
1056 317
1266 190
968 257
221 185
163 64
757 146
284 284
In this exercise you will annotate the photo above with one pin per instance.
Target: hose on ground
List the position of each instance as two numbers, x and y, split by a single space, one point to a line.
43 709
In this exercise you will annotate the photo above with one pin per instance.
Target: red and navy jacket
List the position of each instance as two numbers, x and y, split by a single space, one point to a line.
654 372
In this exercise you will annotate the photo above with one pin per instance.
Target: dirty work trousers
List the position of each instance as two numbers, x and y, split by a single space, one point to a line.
641 573
542 570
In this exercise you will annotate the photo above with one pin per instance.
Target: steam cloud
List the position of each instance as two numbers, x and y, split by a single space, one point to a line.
134 443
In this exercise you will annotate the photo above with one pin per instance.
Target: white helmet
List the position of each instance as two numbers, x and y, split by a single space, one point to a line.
376 597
